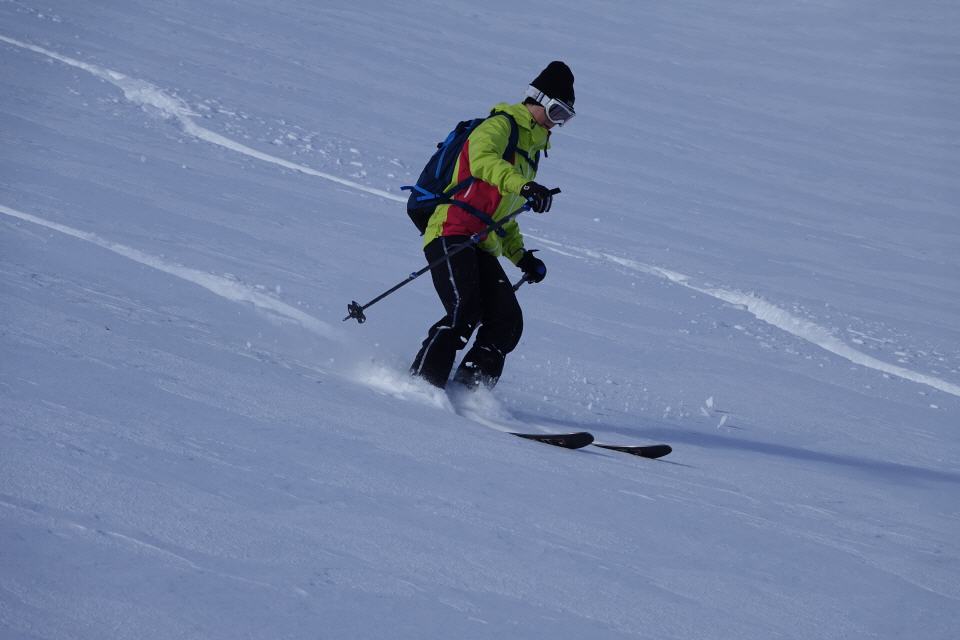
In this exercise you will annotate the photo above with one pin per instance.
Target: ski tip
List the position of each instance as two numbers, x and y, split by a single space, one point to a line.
651 451
660 450
576 440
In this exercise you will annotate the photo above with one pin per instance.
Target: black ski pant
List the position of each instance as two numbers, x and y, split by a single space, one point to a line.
474 291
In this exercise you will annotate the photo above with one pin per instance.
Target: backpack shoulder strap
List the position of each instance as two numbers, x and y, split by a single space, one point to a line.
513 142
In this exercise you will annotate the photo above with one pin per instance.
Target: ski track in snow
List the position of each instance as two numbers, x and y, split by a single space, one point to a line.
219 285
148 95
777 317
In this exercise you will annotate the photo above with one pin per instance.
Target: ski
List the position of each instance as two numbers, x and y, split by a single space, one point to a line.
573 440
566 440
645 451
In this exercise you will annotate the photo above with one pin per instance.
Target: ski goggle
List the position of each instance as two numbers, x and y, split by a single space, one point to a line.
557 111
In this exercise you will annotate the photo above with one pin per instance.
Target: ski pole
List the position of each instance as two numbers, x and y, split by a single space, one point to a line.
355 310
521 282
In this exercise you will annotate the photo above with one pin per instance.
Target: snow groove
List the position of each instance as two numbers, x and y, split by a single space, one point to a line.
148 95
223 287
780 318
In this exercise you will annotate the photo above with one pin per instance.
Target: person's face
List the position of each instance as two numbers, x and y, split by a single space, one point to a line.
540 116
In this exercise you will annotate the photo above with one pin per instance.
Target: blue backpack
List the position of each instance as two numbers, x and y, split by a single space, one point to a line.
430 190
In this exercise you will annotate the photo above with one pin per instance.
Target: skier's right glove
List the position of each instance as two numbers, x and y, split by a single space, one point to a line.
532 266
539 197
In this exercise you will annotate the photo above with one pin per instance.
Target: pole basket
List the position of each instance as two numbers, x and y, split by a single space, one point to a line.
355 311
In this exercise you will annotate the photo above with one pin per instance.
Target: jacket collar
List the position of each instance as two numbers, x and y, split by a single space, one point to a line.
520 113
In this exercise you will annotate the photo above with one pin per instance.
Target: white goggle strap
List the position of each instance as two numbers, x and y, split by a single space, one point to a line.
536 94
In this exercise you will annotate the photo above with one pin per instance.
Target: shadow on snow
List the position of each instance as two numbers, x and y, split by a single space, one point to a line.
673 435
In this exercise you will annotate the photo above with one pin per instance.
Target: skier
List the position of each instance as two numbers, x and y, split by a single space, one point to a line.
472 284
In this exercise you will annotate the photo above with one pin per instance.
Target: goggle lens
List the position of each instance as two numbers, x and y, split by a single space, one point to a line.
559 113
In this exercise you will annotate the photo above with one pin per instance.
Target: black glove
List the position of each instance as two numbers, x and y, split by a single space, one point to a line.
538 195
532 266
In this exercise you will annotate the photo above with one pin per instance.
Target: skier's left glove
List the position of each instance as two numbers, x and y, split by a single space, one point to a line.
532 266
538 196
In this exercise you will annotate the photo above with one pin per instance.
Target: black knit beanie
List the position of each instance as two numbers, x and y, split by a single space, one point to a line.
556 81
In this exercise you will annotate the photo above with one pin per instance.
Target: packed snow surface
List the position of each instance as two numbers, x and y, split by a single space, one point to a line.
755 259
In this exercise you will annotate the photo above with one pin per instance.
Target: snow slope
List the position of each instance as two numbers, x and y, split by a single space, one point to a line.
754 258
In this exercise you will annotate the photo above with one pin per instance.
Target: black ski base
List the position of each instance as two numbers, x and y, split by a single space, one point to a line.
566 440
646 451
